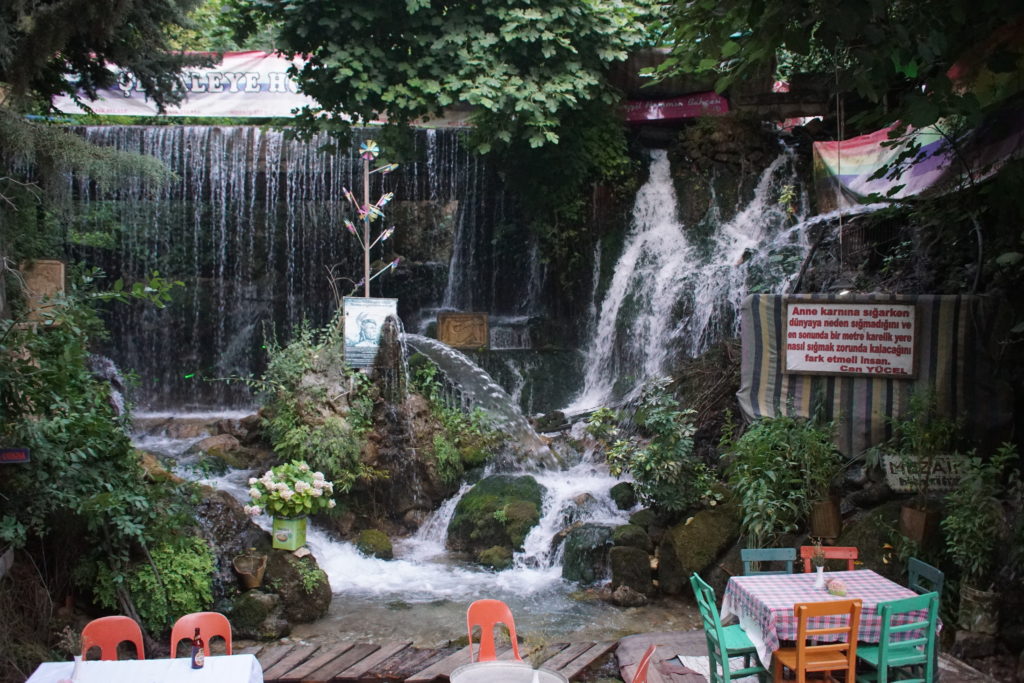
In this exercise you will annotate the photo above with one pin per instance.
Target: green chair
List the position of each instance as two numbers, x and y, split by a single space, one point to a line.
924 578
724 641
752 555
915 654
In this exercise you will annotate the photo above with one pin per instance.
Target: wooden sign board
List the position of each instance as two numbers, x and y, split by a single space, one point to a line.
907 473
463 330
862 338
44 280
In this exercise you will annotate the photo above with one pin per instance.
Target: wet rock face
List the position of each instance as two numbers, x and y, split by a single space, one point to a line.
301 585
375 543
230 532
631 567
586 554
499 511
693 545
259 616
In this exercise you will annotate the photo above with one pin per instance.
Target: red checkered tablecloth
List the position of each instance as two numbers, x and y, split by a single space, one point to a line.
767 602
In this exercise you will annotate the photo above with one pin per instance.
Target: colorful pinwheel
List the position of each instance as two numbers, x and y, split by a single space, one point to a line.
369 150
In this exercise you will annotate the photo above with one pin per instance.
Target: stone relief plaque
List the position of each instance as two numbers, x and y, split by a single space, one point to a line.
463 330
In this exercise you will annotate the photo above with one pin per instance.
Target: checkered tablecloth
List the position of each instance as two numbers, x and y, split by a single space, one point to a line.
764 605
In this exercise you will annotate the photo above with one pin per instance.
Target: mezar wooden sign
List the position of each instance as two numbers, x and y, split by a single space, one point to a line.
866 338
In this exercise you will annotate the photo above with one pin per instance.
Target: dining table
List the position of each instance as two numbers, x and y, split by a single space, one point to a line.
504 671
217 669
764 606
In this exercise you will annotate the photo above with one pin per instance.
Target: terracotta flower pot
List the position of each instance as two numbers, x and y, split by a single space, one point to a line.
250 569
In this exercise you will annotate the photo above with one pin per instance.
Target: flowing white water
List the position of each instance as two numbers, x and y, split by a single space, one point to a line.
422 594
673 294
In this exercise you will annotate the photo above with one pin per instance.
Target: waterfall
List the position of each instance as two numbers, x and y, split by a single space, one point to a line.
671 294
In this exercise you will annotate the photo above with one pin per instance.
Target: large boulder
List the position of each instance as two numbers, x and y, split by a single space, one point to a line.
375 543
632 535
259 616
624 495
230 532
302 586
498 511
631 567
585 558
693 545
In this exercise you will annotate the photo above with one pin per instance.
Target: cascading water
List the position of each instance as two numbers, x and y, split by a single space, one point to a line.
671 294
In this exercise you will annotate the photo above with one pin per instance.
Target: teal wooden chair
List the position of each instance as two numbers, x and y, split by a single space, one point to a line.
724 641
923 578
751 555
914 657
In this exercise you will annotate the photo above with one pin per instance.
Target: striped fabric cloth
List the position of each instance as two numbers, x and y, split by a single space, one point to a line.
955 341
768 601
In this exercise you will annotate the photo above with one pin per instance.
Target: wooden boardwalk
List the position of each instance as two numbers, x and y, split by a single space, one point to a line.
398 661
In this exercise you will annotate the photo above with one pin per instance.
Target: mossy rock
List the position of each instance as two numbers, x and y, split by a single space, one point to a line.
585 555
631 567
632 535
499 510
375 543
259 616
303 587
645 518
497 557
695 544
624 495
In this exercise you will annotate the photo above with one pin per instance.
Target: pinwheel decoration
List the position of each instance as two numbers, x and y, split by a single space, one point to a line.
369 212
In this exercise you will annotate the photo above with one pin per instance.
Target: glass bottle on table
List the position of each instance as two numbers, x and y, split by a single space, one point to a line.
198 655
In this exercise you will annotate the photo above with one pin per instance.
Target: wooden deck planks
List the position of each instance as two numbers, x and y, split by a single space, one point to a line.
566 656
297 655
442 667
324 656
360 669
578 665
328 671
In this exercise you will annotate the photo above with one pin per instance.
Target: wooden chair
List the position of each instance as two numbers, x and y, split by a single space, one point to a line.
832 552
827 656
752 555
107 633
724 642
916 652
487 614
923 578
210 625
641 669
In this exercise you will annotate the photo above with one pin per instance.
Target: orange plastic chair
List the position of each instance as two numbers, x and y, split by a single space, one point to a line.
641 669
827 656
486 614
832 552
107 633
210 625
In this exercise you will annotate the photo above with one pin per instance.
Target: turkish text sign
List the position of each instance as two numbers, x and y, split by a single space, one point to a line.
907 474
850 338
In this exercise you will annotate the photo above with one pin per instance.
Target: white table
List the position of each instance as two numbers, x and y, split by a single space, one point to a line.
504 671
218 669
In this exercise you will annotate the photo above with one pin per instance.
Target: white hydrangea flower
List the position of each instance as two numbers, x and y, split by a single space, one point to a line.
318 476
287 494
303 467
255 493
316 493
301 486
318 484
331 503
252 480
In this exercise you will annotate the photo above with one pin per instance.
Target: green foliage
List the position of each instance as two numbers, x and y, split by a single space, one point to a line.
52 48
777 470
660 455
179 581
882 51
522 65
975 524
304 381
467 439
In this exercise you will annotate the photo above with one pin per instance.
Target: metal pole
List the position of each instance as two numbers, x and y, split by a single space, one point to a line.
366 228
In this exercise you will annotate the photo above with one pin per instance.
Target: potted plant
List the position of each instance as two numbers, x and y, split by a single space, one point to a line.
290 492
975 529
917 441
782 470
818 562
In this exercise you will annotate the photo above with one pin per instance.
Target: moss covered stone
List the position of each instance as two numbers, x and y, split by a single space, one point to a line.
632 535
375 543
624 495
631 567
497 557
645 518
258 615
693 545
585 557
302 586
498 511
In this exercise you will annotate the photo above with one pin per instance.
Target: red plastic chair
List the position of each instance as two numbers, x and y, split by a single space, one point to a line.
210 625
107 633
832 552
641 669
487 614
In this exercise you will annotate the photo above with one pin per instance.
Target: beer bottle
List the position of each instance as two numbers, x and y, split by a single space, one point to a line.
198 655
